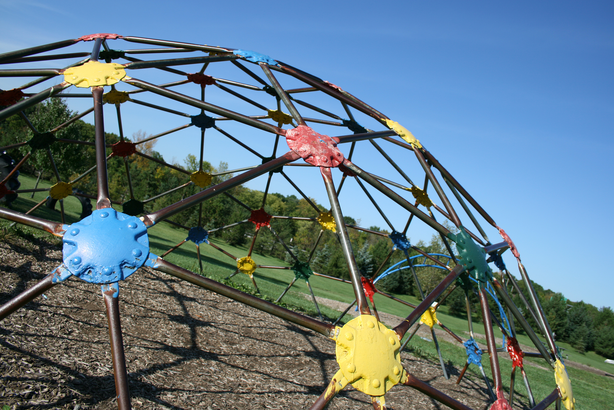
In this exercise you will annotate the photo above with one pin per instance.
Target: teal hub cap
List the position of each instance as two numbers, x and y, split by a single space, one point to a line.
105 247
302 270
472 257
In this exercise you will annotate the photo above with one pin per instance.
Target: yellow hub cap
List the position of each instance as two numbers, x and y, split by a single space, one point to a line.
368 355
562 381
201 179
327 221
429 317
246 265
60 190
94 74
403 132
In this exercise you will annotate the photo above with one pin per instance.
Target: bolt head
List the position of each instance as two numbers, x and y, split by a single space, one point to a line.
370 324
392 341
376 383
349 336
351 368
132 225
76 260
396 370
137 252
74 232
107 270
104 214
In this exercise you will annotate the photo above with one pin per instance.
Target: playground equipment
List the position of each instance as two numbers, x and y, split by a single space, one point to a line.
292 128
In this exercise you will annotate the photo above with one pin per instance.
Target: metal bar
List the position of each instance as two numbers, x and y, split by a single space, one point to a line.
460 200
544 404
282 94
286 290
315 245
364 136
157 107
7 147
342 96
450 332
318 109
117 349
36 50
238 84
429 172
149 157
529 391
346 245
432 392
523 322
96 49
538 308
238 201
101 156
415 275
389 296
44 58
315 302
26 296
35 99
173 248
428 301
395 197
443 365
249 72
344 312
137 65
54 228
31 72
337 383
242 97
157 50
205 106
410 336
238 142
394 164
310 323
375 205
490 340
458 186
167 192
523 298
309 201
153 137
16 168
174 44
222 250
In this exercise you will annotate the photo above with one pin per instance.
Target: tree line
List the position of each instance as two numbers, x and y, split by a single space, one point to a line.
582 325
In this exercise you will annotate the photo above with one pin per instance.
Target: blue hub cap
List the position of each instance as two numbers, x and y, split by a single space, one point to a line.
105 247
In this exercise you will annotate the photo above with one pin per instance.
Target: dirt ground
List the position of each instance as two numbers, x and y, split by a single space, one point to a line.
186 348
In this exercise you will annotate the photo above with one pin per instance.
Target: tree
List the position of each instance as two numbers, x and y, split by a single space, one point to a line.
581 335
604 342
555 309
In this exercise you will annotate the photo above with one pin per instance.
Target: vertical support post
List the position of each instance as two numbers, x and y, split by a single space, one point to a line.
345 242
101 151
117 349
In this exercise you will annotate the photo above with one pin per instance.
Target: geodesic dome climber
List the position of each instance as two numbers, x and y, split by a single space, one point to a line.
291 129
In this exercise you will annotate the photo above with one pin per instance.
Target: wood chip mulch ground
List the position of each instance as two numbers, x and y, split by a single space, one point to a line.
186 348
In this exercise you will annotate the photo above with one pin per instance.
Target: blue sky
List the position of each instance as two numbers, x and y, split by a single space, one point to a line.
516 99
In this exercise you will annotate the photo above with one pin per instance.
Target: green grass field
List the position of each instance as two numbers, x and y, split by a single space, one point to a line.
591 391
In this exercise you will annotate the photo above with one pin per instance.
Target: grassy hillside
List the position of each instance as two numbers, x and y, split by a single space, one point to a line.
591 391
